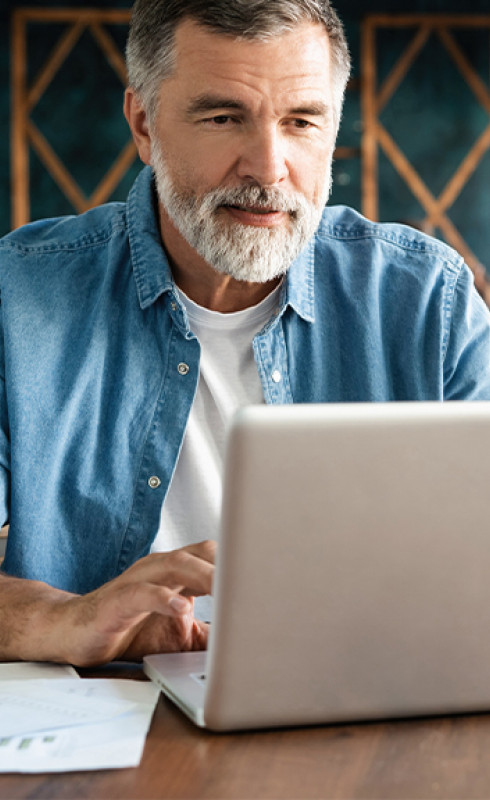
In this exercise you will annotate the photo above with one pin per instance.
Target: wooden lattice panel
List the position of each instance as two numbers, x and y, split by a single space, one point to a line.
375 97
25 98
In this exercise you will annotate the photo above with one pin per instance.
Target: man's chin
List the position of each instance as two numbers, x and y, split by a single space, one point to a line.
249 269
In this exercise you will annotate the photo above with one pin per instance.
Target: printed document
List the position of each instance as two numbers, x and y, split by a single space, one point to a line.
57 724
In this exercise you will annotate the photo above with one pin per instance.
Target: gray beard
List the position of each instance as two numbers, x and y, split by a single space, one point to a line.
244 252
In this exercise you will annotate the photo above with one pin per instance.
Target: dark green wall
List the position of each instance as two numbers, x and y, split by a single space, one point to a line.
434 117
80 114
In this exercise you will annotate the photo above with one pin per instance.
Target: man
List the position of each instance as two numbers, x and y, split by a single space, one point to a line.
131 334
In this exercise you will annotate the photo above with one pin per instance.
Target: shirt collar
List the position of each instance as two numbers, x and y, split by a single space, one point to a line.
151 268
150 264
299 287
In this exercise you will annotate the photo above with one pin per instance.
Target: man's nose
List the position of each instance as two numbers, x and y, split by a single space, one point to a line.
263 158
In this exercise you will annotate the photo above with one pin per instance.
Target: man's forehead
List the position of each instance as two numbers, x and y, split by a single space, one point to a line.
208 63
302 50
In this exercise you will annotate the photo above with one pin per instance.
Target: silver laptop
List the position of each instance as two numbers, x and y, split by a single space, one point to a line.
353 574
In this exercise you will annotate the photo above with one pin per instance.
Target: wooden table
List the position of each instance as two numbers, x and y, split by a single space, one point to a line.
410 760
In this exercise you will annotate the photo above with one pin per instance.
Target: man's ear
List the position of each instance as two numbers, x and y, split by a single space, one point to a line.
136 117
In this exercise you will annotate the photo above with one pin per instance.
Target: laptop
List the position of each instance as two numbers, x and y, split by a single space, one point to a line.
353 572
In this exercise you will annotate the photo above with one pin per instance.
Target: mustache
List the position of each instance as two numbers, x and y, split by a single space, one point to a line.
271 199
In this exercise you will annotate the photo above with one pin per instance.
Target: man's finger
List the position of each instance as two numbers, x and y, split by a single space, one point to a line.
190 569
132 603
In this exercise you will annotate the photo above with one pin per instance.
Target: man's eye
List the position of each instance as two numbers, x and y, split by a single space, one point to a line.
302 123
221 119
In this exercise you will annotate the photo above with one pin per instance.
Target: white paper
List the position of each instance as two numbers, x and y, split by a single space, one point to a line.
24 670
39 705
122 709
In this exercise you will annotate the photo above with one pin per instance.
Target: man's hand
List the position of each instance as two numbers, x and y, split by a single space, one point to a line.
147 609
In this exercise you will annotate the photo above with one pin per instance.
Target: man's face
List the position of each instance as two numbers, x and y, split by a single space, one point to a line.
242 147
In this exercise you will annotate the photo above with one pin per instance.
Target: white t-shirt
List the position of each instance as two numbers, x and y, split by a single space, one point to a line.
228 380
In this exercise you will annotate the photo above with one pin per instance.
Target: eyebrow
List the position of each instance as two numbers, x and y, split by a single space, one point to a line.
211 102
315 109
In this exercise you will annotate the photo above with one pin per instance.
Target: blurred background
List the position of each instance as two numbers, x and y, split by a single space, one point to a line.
414 144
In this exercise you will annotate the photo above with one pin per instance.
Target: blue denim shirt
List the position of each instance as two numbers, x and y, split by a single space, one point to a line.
94 398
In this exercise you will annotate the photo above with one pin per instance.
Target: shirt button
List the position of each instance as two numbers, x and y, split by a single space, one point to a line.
183 369
154 482
173 306
276 376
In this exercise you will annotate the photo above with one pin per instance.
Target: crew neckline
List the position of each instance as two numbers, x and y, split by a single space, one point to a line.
252 315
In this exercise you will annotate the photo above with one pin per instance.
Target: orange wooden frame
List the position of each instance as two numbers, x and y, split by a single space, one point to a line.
375 135
25 134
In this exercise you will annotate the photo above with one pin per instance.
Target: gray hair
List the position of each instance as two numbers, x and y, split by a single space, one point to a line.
150 49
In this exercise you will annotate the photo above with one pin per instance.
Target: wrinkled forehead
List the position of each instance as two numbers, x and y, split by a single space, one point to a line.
289 60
